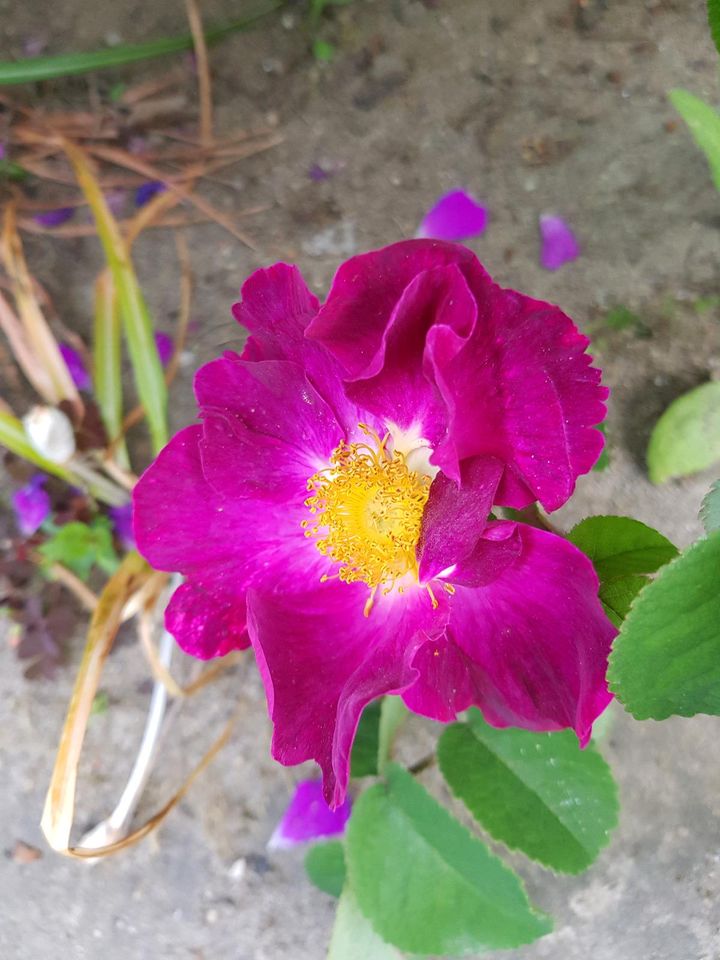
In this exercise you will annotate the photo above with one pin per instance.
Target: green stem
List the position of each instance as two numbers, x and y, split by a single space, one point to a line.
72 64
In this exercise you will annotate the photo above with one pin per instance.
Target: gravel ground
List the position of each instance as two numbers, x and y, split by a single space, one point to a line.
545 106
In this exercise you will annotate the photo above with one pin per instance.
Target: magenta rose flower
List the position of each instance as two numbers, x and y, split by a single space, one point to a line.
334 506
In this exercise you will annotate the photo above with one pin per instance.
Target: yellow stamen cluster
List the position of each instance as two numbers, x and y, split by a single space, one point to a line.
367 508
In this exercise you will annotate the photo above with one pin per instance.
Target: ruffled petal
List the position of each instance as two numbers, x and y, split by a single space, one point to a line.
276 307
455 216
400 392
204 623
522 389
322 661
456 515
365 292
530 648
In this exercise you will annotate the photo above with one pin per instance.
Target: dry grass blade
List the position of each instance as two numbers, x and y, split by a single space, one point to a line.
36 374
59 808
80 853
38 335
125 159
203 71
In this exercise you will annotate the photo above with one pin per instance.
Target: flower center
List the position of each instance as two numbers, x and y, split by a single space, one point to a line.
368 508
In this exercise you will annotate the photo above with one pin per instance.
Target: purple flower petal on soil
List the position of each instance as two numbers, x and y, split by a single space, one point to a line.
559 244
318 173
455 216
76 366
146 191
54 218
308 817
165 347
121 519
115 199
31 504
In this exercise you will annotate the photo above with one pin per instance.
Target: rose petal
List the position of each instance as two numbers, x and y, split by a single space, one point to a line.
121 519
455 216
31 505
456 515
322 661
530 648
559 244
54 218
76 366
308 817
165 347
276 307
522 389
146 191
206 624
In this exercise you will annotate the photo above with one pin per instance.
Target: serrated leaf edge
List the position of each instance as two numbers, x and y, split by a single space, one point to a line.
636 603
557 871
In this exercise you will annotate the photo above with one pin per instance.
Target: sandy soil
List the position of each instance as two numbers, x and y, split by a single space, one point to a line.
535 106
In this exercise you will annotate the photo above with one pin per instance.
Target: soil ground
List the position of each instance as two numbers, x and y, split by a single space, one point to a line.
545 106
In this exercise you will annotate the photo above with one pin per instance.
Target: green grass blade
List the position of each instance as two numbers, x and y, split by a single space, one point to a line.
12 436
137 324
107 374
72 64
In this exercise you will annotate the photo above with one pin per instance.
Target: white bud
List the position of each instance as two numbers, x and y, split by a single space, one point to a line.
50 433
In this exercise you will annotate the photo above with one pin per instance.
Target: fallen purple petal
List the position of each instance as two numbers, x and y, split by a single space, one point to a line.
146 191
455 216
308 817
31 504
115 200
121 519
76 366
34 46
165 347
318 173
54 218
559 244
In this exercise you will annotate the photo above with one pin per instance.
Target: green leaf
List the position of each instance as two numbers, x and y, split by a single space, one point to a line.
704 125
72 64
686 438
353 938
392 713
81 546
710 510
620 318
363 760
713 10
621 546
666 658
12 171
535 792
425 883
325 865
323 51
617 596
603 461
